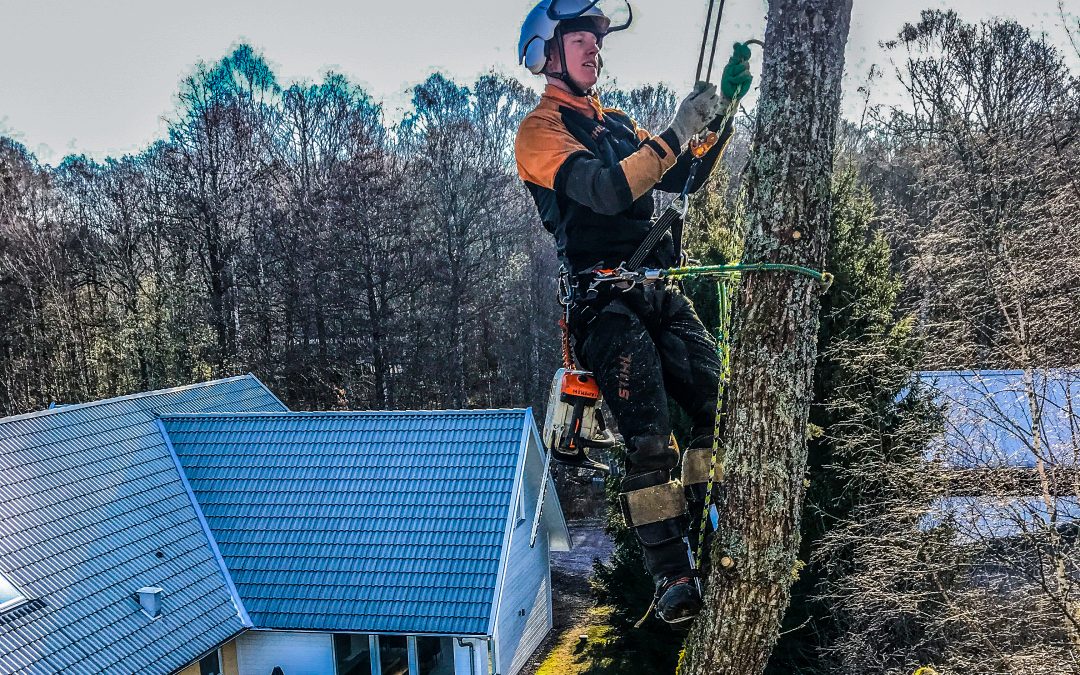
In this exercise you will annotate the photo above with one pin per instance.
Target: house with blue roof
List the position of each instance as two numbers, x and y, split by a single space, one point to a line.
208 529
1009 436
1007 417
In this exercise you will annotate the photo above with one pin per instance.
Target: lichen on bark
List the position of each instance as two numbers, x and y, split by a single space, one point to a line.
775 329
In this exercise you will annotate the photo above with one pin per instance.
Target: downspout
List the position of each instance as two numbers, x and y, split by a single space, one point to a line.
472 654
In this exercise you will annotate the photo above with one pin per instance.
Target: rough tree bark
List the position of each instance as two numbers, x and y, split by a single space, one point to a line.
775 332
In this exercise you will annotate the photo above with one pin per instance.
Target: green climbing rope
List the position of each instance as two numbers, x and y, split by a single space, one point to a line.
726 276
731 271
723 350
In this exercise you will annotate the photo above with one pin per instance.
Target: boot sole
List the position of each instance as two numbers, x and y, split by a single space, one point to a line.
682 619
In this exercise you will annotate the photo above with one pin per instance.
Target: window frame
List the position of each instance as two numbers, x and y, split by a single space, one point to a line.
414 641
373 650
220 661
377 651
412 652
19 599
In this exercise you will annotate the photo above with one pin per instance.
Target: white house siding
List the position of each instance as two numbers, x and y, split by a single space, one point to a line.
524 614
258 652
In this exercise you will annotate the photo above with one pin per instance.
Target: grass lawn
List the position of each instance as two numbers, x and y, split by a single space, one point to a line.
593 656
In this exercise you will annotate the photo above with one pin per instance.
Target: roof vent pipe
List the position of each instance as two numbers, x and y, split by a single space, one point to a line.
150 599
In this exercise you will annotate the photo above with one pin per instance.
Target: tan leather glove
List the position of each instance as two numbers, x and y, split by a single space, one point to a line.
696 111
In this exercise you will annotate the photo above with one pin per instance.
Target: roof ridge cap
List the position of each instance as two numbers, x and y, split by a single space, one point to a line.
67 407
339 413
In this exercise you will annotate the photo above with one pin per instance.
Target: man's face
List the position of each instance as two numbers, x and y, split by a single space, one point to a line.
582 50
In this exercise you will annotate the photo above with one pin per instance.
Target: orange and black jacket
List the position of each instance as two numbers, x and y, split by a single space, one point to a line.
592 172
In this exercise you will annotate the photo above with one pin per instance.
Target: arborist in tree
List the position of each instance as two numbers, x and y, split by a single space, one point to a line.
592 172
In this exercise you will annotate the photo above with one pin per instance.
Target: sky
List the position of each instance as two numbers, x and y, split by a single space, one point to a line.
100 77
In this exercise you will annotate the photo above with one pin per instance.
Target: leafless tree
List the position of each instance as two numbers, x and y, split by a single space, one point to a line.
962 557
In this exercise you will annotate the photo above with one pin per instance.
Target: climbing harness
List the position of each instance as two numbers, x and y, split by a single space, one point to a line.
574 421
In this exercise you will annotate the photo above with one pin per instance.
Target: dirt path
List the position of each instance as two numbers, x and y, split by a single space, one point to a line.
590 543
570 599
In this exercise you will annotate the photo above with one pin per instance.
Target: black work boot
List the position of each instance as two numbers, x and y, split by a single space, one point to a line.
678 600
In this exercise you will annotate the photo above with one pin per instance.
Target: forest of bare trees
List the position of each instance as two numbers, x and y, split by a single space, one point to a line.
288 232
350 262
960 552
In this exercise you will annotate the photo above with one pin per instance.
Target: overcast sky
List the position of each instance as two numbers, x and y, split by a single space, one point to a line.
99 76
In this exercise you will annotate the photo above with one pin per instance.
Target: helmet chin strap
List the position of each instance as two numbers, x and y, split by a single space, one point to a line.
564 74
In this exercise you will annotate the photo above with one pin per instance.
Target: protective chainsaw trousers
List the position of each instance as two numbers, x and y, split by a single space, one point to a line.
644 345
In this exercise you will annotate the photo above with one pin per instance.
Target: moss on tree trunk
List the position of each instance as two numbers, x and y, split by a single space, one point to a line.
776 322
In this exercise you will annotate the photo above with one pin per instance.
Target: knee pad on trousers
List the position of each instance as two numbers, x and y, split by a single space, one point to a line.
655 507
650 453
696 465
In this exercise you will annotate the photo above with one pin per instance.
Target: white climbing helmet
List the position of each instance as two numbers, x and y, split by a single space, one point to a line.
544 19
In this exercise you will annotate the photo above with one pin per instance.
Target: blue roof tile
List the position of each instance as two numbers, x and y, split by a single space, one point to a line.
89 494
988 420
367 522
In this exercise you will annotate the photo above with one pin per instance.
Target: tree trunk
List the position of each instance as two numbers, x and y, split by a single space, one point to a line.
775 330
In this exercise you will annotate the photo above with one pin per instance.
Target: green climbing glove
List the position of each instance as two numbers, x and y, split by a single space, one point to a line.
735 81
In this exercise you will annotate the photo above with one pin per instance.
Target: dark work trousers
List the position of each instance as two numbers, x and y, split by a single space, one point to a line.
643 345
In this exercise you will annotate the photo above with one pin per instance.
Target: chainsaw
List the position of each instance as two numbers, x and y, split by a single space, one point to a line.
574 421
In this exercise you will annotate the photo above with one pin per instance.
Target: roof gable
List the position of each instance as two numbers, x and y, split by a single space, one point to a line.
358 521
93 508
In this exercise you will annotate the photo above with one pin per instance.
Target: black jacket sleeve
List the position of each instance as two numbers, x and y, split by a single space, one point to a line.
587 181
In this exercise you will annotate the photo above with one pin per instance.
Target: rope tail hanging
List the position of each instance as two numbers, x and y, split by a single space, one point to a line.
726 277
723 350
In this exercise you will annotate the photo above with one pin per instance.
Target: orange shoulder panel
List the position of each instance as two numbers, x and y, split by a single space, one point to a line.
543 144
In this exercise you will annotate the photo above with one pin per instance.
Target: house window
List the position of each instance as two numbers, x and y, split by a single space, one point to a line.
394 654
9 595
211 663
520 509
352 654
435 655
